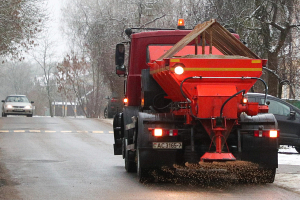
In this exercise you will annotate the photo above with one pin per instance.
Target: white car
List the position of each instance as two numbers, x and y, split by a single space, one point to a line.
17 105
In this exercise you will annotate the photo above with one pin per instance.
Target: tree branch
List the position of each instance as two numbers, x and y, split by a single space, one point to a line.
157 18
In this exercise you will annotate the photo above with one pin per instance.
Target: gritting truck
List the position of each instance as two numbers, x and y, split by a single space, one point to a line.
185 103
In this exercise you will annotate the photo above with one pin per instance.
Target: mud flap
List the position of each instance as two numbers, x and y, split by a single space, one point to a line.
118 133
263 151
260 150
118 147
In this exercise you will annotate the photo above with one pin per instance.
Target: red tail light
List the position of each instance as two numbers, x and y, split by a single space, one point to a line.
159 132
113 100
273 134
266 133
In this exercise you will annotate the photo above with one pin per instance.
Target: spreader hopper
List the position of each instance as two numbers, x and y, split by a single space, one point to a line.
209 88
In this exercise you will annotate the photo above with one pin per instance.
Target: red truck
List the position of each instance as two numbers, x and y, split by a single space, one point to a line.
185 103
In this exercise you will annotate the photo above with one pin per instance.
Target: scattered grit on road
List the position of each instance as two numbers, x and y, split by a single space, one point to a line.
289 181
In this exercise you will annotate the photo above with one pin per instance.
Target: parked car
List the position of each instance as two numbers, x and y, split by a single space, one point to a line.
287 116
114 106
17 105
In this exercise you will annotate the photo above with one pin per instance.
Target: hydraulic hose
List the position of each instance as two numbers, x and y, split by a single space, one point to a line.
191 111
266 87
194 77
221 111
200 77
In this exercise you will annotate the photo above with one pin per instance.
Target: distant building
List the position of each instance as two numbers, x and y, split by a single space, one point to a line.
67 109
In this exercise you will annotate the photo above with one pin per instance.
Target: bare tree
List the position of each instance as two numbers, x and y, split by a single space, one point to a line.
96 27
72 78
44 60
20 22
266 26
16 78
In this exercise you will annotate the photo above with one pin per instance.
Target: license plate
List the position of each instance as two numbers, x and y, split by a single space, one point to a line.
18 110
167 145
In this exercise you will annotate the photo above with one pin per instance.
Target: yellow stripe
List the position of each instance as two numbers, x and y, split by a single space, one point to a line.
256 61
97 131
159 70
34 131
213 69
221 69
174 60
4 131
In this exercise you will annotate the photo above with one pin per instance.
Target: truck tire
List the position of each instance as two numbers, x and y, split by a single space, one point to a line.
297 149
123 148
268 175
142 173
105 113
130 165
110 113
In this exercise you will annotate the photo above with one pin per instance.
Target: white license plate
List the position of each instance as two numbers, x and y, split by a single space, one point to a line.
167 145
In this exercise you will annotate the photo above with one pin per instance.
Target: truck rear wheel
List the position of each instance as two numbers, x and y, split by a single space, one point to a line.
142 173
130 165
269 175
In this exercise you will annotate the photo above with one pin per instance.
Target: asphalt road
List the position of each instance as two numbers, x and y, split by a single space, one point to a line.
72 158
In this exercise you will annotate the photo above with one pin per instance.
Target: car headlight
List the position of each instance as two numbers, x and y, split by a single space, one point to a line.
8 106
27 107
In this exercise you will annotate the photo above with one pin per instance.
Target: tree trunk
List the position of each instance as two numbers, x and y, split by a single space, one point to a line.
272 78
280 90
50 106
292 94
49 99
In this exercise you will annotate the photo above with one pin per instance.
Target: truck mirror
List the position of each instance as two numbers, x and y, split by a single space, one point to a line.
120 70
119 59
120 54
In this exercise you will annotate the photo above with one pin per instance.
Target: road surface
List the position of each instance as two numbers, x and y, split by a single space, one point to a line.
72 158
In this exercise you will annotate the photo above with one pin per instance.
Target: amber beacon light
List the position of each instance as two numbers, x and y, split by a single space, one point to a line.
180 24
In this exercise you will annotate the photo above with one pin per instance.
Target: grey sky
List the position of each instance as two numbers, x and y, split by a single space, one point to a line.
54 7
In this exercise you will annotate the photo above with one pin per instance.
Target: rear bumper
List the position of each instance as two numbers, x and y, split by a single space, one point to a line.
262 151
